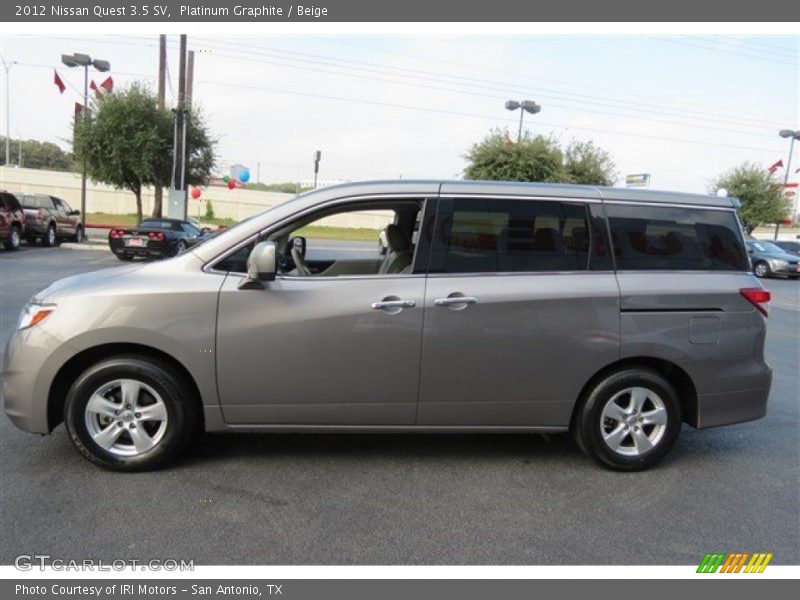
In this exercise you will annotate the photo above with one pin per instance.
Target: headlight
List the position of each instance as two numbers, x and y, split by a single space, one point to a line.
777 263
34 313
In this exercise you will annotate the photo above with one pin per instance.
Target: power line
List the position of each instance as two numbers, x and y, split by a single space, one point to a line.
475 115
625 104
493 85
727 51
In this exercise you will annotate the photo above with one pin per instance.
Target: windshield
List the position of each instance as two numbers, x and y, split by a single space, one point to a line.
36 202
767 247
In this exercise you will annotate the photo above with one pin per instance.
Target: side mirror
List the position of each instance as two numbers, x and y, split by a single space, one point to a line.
74 213
260 266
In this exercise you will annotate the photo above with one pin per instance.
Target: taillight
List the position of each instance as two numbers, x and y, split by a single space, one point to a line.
758 297
155 235
40 215
116 233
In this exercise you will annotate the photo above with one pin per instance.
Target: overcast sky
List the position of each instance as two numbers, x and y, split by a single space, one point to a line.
682 108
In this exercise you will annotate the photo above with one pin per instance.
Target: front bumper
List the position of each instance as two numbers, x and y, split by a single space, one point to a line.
28 371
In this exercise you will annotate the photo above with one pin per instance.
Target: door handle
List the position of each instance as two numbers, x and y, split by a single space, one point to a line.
393 305
456 301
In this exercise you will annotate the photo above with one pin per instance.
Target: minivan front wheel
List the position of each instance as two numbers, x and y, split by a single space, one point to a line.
130 413
629 420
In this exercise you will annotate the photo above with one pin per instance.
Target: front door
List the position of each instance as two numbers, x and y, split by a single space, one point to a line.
521 308
316 349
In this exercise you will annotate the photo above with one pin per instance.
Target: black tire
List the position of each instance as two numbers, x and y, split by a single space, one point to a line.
13 239
50 238
761 269
180 247
174 391
124 257
589 421
78 237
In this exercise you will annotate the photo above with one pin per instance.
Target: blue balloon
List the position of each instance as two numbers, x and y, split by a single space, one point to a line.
244 176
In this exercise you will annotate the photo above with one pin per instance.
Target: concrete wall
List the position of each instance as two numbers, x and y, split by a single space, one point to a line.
235 204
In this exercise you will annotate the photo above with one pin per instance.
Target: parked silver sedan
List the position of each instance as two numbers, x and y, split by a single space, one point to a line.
770 260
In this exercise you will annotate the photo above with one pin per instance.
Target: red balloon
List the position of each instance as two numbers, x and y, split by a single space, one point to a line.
231 184
196 192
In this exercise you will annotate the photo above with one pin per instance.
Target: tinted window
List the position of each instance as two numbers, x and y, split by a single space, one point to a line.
31 201
190 229
767 247
480 236
158 224
664 238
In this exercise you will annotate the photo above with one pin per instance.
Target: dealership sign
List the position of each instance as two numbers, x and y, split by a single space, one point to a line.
637 180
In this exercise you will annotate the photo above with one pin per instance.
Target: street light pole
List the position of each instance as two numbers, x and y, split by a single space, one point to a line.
792 135
523 107
85 61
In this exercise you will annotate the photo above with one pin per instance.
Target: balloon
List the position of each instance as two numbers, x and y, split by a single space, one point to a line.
244 176
226 179
196 193
231 184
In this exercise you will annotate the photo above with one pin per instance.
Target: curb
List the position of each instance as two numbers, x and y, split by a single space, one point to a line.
84 246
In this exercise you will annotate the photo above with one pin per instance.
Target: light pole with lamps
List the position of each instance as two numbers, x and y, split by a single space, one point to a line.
84 60
792 135
523 107
7 66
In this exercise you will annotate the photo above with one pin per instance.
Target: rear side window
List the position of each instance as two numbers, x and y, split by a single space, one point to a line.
487 235
681 239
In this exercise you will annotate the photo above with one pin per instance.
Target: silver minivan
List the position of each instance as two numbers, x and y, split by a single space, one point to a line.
613 314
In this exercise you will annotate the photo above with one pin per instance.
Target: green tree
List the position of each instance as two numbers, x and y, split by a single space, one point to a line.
587 164
38 155
538 158
534 158
757 190
127 142
209 210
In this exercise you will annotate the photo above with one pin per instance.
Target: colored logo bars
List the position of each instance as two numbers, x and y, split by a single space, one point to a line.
734 562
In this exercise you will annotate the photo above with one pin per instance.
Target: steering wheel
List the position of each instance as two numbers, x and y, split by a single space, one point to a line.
298 258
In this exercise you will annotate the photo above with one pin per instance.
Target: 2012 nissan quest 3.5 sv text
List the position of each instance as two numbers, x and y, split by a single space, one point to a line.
615 314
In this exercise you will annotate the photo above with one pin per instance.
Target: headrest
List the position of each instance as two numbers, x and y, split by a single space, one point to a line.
398 240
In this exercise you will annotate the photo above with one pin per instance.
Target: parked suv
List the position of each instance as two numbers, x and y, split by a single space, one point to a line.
616 314
50 219
12 221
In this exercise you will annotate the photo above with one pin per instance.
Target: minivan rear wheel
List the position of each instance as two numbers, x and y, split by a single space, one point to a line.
629 420
130 413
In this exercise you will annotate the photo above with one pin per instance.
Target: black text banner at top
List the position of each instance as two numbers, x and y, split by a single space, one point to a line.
261 11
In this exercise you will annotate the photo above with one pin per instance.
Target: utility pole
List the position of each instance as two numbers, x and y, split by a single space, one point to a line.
317 158
190 79
162 92
177 195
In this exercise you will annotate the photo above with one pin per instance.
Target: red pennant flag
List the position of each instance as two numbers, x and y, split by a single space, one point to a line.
509 142
95 89
59 84
776 166
108 84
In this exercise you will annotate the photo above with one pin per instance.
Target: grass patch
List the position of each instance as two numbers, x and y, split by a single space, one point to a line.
350 234
317 233
101 218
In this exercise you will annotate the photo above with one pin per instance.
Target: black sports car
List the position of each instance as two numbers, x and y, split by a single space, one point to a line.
155 238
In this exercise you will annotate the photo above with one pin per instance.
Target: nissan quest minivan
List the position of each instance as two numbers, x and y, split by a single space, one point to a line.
613 314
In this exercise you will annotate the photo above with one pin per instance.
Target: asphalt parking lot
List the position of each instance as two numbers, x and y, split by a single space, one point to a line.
406 499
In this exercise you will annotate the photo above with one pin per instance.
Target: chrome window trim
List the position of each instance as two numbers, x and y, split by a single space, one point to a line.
208 267
669 205
502 196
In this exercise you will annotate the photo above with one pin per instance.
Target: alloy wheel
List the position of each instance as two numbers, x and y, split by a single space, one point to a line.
126 417
633 421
